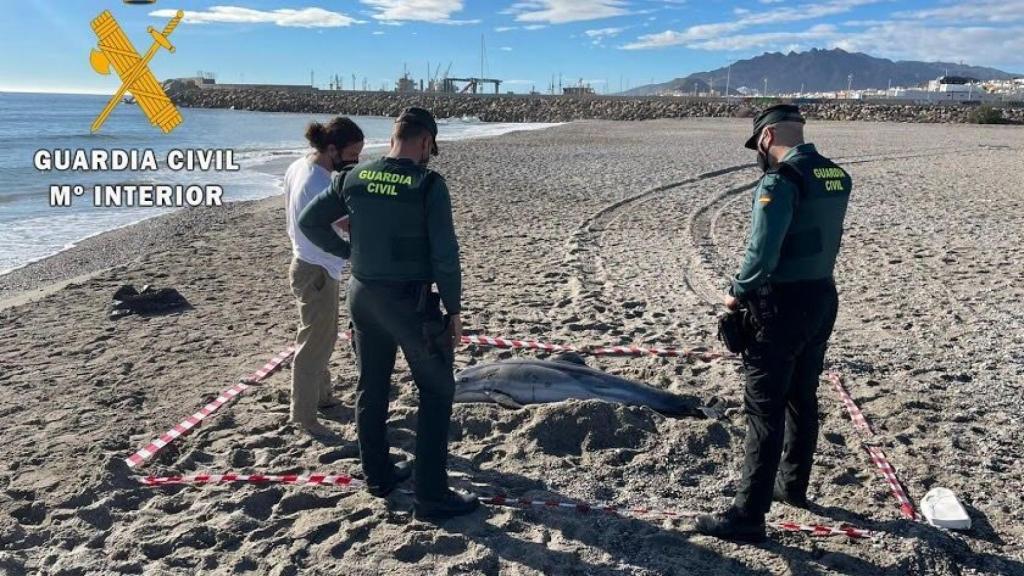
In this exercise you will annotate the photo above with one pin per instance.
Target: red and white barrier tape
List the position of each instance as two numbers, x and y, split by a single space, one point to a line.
823 530
158 444
512 343
656 351
859 421
346 481
889 473
878 457
517 344
857 417
270 367
343 480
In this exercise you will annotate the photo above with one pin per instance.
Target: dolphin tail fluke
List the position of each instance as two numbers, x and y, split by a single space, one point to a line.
711 412
714 409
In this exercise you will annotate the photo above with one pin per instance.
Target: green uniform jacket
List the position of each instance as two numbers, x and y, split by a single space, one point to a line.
797 224
401 225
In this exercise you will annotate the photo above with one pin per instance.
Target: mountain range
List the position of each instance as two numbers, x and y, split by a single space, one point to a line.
816 71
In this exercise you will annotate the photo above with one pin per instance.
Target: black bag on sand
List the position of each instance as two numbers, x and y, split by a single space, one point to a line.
151 301
734 330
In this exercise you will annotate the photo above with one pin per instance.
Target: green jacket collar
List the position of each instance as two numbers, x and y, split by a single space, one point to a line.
407 162
805 148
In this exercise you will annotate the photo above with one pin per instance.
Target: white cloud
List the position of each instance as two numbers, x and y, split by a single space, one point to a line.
906 40
691 34
708 32
805 12
604 32
1002 47
529 28
433 11
505 48
287 17
986 11
766 39
562 11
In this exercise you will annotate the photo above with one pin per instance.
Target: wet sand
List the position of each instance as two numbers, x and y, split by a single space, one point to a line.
569 235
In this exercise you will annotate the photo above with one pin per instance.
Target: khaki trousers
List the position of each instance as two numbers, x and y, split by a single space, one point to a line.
317 295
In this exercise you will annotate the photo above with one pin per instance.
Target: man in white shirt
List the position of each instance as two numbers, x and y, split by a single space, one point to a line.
314 274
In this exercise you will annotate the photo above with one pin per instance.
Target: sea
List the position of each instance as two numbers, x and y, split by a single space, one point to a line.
264 143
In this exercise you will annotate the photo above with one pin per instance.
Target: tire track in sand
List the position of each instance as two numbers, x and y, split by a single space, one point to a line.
589 286
707 264
704 263
589 282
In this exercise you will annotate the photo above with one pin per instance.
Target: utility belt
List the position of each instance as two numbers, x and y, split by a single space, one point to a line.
738 328
434 323
758 311
411 289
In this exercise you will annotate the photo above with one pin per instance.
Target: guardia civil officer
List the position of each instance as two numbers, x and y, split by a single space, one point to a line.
403 242
786 283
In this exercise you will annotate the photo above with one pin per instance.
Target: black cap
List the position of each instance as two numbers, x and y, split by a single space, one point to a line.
773 115
423 118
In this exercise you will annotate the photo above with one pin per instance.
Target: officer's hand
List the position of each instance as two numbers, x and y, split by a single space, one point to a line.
731 302
455 330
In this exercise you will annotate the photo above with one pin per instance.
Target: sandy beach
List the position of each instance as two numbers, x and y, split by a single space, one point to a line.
594 232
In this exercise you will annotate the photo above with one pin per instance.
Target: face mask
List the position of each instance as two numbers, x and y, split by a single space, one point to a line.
425 159
340 164
762 159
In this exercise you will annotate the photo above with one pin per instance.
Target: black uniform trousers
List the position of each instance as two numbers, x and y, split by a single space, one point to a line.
387 315
783 365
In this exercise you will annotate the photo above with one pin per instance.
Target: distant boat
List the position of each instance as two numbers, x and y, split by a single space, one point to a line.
128 99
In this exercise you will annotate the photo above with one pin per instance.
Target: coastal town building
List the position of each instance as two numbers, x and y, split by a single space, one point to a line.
578 91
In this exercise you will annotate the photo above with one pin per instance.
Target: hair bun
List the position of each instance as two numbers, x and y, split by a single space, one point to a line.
316 134
340 131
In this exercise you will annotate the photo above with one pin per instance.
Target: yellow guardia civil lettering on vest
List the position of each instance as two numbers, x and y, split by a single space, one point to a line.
832 177
384 183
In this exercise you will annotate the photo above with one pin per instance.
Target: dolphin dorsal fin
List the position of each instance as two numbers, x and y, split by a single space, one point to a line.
503 400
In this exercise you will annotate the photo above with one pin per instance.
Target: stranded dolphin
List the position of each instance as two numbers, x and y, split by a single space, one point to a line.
513 383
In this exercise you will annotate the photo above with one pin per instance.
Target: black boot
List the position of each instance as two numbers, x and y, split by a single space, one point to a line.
732 525
400 472
797 500
451 504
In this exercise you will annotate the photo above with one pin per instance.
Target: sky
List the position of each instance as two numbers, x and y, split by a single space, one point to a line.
610 44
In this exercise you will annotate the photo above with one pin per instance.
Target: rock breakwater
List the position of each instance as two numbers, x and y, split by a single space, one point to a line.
534 108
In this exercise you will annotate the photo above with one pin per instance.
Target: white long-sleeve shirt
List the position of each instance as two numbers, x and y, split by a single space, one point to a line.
303 181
